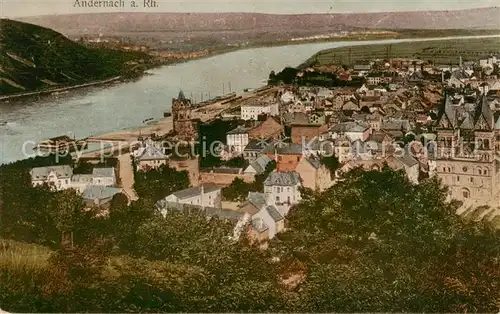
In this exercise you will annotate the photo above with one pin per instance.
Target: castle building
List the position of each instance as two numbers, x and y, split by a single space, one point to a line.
184 127
468 140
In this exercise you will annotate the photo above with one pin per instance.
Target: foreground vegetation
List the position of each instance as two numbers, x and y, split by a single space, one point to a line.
438 51
373 242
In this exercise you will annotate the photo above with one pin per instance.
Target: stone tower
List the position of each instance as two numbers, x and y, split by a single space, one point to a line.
184 127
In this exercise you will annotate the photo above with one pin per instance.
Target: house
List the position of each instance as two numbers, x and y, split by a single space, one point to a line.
58 176
237 140
254 110
362 67
353 130
266 220
104 177
270 128
307 132
96 195
62 178
258 166
314 175
150 156
205 195
254 149
381 142
407 163
287 156
282 190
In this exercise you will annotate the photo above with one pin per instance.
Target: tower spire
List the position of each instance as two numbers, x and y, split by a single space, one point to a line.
181 95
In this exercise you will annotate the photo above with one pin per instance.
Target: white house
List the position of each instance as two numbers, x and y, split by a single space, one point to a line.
206 195
282 188
58 176
353 130
266 219
237 140
252 111
103 176
150 156
99 195
62 178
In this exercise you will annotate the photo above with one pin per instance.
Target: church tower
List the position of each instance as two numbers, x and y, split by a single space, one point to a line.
184 127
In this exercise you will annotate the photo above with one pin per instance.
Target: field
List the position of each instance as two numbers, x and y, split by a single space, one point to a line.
438 51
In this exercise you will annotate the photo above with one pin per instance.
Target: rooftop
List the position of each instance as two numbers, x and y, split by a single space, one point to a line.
61 172
103 172
282 179
99 192
192 192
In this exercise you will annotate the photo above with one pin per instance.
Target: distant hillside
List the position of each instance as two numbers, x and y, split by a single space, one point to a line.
484 18
441 52
34 58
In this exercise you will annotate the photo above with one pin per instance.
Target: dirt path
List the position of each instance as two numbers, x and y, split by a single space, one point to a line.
127 176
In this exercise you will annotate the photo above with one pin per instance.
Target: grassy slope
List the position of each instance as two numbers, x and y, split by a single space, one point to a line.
33 58
440 51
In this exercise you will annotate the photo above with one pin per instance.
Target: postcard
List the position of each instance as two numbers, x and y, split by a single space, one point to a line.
249 156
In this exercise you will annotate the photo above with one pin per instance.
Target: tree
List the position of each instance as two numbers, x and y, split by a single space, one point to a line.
156 184
237 191
68 207
380 243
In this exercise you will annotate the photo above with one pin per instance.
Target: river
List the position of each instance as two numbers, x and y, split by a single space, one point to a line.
96 110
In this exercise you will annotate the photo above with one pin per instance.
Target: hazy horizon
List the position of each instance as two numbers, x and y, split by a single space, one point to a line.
23 8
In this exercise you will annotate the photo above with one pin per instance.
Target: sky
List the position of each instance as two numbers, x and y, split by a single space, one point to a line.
17 8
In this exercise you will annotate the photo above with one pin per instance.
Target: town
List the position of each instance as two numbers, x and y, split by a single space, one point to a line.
300 133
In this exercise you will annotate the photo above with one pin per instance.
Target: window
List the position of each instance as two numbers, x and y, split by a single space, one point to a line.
485 172
277 199
289 201
458 178
464 169
466 193
289 189
471 180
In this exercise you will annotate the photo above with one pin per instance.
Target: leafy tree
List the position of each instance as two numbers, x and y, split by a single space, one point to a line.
158 183
237 191
381 243
331 162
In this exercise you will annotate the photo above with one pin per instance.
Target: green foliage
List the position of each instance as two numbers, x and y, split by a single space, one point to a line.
331 162
238 190
156 184
382 244
373 242
87 168
325 79
55 58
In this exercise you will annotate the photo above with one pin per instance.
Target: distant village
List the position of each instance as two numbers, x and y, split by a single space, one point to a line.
412 116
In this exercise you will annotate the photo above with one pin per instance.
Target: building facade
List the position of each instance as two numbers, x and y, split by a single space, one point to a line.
467 135
184 127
